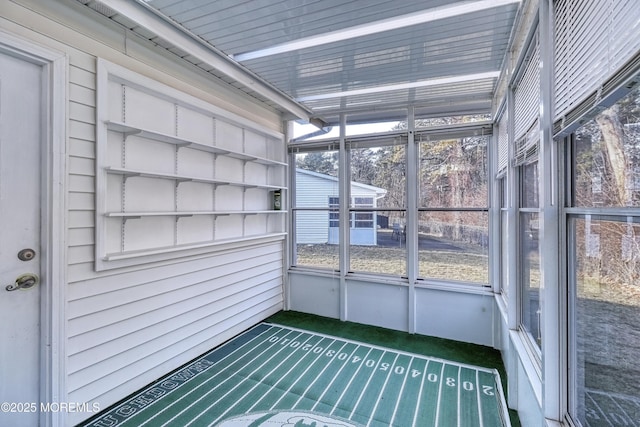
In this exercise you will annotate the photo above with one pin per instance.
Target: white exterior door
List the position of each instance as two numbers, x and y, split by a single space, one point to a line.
20 253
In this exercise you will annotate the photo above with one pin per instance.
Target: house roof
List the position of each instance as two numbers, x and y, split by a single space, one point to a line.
380 192
316 59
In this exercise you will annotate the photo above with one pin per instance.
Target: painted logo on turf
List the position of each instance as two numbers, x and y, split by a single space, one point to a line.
286 419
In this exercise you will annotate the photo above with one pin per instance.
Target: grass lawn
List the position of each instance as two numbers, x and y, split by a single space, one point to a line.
467 263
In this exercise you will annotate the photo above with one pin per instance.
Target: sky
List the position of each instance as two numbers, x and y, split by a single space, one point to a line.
299 130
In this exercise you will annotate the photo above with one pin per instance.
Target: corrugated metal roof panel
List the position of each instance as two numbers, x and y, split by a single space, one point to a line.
314 47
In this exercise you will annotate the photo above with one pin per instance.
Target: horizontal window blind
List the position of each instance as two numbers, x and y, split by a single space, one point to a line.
526 98
503 142
526 148
526 94
593 41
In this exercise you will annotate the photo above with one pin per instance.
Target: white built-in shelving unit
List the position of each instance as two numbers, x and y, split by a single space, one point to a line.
177 174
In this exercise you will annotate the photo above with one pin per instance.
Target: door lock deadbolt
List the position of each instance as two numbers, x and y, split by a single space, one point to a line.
26 255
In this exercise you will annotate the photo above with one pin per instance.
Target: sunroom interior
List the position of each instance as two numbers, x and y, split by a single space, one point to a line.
466 170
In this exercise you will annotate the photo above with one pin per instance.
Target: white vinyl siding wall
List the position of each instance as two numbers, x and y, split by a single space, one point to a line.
313 192
126 330
312 226
126 327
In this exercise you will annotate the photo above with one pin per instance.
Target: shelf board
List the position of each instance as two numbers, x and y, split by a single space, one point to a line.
193 246
130 173
182 142
188 213
156 136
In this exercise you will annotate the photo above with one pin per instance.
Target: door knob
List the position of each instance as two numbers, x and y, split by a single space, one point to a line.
24 281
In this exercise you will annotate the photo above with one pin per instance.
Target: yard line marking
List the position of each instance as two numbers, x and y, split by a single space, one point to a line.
318 376
355 390
285 376
478 387
301 375
375 368
404 382
636 402
214 388
599 409
378 347
271 327
424 375
615 400
386 381
501 400
439 394
350 381
258 384
216 375
459 395
241 382
346 362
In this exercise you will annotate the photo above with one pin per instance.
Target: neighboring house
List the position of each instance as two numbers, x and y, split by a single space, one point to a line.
318 190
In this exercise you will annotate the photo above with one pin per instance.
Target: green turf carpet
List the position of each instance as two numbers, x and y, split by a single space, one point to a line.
275 375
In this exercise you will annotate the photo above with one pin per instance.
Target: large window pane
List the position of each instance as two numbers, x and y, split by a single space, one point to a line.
453 219
377 238
504 247
313 247
422 122
315 210
453 173
378 173
453 245
530 313
386 254
504 252
607 158
530 197
606 321
530 270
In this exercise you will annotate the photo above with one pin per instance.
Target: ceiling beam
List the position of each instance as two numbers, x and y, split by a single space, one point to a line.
429 15
401 86
180 38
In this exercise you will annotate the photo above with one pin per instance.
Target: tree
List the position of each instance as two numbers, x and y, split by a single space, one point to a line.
363 165
613 150
319 161
390 174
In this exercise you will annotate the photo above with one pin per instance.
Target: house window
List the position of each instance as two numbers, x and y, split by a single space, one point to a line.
334 214
357 219
363 219
603 226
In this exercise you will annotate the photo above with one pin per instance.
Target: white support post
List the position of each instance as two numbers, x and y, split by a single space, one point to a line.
512 242
411 235
553 326
344 180
290 248
495 205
